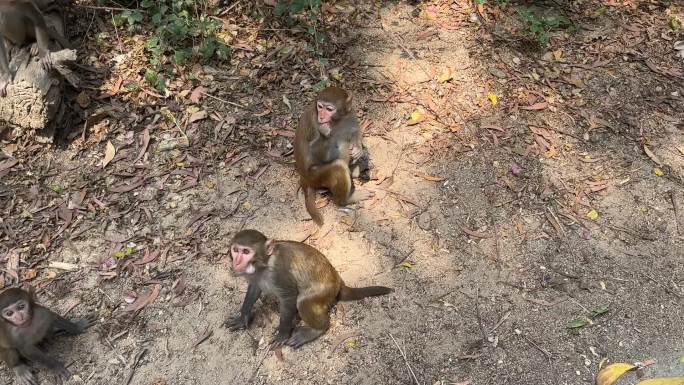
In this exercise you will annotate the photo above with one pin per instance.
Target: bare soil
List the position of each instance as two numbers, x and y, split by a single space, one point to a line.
482 218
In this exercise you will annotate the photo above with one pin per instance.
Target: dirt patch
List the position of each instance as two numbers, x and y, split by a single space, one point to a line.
482 219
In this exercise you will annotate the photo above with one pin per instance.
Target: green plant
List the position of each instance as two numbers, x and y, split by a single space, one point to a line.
307 13
539 25
181 33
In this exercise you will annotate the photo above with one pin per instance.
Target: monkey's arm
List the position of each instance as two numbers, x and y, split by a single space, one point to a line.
34 354
241 320
288 309
5 74
356 148
62 325
42 32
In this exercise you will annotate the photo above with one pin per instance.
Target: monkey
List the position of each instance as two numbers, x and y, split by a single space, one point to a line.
19 21
302 279
328 140
24 324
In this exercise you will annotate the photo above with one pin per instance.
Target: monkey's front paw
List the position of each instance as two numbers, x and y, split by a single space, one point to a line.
237 323
25 377
87 322
279 340
34 49
4 82
61 375
47 63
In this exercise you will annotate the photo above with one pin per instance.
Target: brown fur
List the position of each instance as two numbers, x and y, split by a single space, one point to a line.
304 282
334 175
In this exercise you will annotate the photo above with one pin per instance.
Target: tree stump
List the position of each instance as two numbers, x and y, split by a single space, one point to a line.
33 105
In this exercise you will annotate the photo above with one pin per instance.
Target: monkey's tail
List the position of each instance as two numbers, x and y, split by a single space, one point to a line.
355 293
310 203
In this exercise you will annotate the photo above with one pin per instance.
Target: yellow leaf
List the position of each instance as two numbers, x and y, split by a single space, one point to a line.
658 171
352 344
493 98
109 154
51 274
446 76
663 381
406 264
416 116
247 205
551 152
593 214
610 374
558 54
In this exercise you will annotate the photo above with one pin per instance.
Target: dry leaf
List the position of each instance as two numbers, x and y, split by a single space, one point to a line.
6 165
663 381
536 106
200 115
196 94
109 154
145 299
287 102
416 117
652 155
493 98
611 373
430 177
593 214
145 143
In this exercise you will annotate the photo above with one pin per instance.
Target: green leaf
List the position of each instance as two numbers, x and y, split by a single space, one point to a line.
599 311
578 323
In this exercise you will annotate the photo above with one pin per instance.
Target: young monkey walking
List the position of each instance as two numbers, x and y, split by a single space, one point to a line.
302 279
24 324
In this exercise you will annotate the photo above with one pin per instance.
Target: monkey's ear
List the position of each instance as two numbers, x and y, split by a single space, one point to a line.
270 246
31 292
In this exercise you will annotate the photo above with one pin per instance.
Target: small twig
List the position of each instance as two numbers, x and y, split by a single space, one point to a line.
479 317
108 8
675 205
667 289
116 352
405 359
531 342
256 369
501 321
223 100
134 365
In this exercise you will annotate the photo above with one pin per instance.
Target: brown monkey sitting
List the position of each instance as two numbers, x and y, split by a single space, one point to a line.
21 20
327 141
302 279
24 324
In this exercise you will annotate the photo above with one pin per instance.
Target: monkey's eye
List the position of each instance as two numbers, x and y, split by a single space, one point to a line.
330 108
9 313
21 306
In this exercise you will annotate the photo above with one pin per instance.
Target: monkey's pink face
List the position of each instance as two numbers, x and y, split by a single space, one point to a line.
326 111
17 313
242 259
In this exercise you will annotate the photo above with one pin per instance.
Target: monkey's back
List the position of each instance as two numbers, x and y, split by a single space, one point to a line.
310 269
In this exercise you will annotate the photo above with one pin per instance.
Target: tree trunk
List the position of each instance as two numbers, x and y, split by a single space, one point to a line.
32 107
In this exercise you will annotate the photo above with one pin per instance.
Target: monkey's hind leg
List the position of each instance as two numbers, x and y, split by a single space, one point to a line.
314 312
